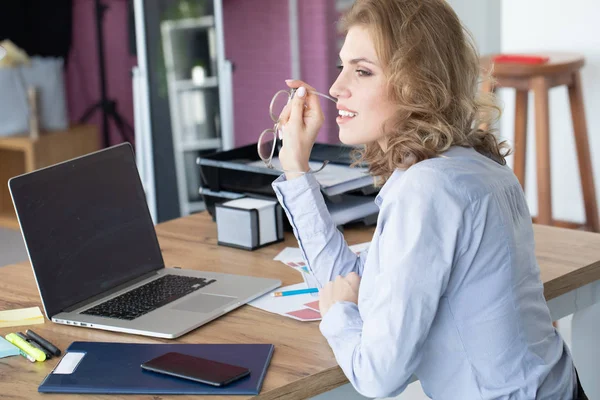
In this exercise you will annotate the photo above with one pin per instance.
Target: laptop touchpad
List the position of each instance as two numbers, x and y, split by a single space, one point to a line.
204 303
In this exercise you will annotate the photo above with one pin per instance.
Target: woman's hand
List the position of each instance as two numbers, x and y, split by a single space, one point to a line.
342 289
301 120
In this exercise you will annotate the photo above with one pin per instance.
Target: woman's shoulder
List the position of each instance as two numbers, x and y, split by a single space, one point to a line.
422 193
461 177
423 182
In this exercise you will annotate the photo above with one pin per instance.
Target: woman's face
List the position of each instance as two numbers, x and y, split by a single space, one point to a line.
363 103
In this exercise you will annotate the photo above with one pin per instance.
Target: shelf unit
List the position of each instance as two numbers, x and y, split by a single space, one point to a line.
167 33
201 115
21 154
188 84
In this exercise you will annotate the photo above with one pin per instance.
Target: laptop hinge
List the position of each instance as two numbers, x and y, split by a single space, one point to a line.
110 292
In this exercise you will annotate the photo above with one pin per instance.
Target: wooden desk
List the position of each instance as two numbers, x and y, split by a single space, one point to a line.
303 364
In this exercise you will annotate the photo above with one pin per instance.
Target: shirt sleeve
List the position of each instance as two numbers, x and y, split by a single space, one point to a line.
322 245
378 344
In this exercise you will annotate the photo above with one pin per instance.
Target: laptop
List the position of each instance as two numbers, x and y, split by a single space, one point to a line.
96 258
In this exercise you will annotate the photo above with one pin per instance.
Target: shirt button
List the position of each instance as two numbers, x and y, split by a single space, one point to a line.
378 201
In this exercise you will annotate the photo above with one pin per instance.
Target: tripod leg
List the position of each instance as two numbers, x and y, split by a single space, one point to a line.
129 127
124 128
88 113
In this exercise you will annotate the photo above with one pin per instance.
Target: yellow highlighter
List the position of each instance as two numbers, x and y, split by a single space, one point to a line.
26 347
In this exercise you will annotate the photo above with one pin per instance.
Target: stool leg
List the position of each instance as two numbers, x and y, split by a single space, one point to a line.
520 147
583 153
542 137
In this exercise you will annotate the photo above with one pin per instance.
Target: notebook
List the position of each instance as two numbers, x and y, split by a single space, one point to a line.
7 349
21 316
114 368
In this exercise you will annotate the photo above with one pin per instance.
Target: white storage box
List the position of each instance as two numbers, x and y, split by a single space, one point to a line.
249 223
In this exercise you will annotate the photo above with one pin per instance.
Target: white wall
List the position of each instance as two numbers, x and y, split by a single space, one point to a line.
556 25
547 25
483 19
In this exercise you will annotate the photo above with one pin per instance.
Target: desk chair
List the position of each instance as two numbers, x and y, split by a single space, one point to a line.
561 69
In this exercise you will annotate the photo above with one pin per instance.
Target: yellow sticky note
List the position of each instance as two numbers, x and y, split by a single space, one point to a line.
22 316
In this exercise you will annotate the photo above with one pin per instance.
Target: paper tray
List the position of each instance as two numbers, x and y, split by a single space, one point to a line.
231 171
348 210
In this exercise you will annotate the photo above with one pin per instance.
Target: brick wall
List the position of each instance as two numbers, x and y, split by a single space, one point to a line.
257 42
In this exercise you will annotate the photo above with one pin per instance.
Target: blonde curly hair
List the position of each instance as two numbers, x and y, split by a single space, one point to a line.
432 67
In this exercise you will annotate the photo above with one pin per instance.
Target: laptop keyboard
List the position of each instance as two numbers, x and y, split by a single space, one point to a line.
148 297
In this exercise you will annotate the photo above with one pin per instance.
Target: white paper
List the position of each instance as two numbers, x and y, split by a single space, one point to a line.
352 208
69 362
283 304
289 253
334 174
360 247
331 175
294 255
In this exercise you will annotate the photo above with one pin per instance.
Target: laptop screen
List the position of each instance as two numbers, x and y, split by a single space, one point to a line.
86 225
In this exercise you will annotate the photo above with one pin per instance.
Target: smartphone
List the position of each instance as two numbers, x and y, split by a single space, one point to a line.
195 368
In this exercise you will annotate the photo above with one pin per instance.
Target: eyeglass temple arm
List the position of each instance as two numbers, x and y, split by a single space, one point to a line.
310 171
324 96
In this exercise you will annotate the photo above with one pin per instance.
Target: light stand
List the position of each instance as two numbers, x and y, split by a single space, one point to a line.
107 106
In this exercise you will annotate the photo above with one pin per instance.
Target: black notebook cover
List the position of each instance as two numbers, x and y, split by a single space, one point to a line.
114 368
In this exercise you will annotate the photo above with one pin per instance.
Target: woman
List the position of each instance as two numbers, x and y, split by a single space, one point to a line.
449 290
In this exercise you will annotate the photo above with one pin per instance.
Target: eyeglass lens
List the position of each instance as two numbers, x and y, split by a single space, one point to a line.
266 145
268 139
280 100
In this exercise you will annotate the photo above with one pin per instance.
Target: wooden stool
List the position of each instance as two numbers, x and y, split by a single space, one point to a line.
561 69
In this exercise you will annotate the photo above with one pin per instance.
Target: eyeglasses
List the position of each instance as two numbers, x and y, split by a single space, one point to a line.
267 141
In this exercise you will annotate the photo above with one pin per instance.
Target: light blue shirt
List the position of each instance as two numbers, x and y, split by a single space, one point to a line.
450 288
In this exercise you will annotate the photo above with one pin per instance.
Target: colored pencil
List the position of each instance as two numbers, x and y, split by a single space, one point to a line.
293 292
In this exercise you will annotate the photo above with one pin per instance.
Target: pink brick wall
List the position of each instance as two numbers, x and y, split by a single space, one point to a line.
318 56
257 42
82 77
